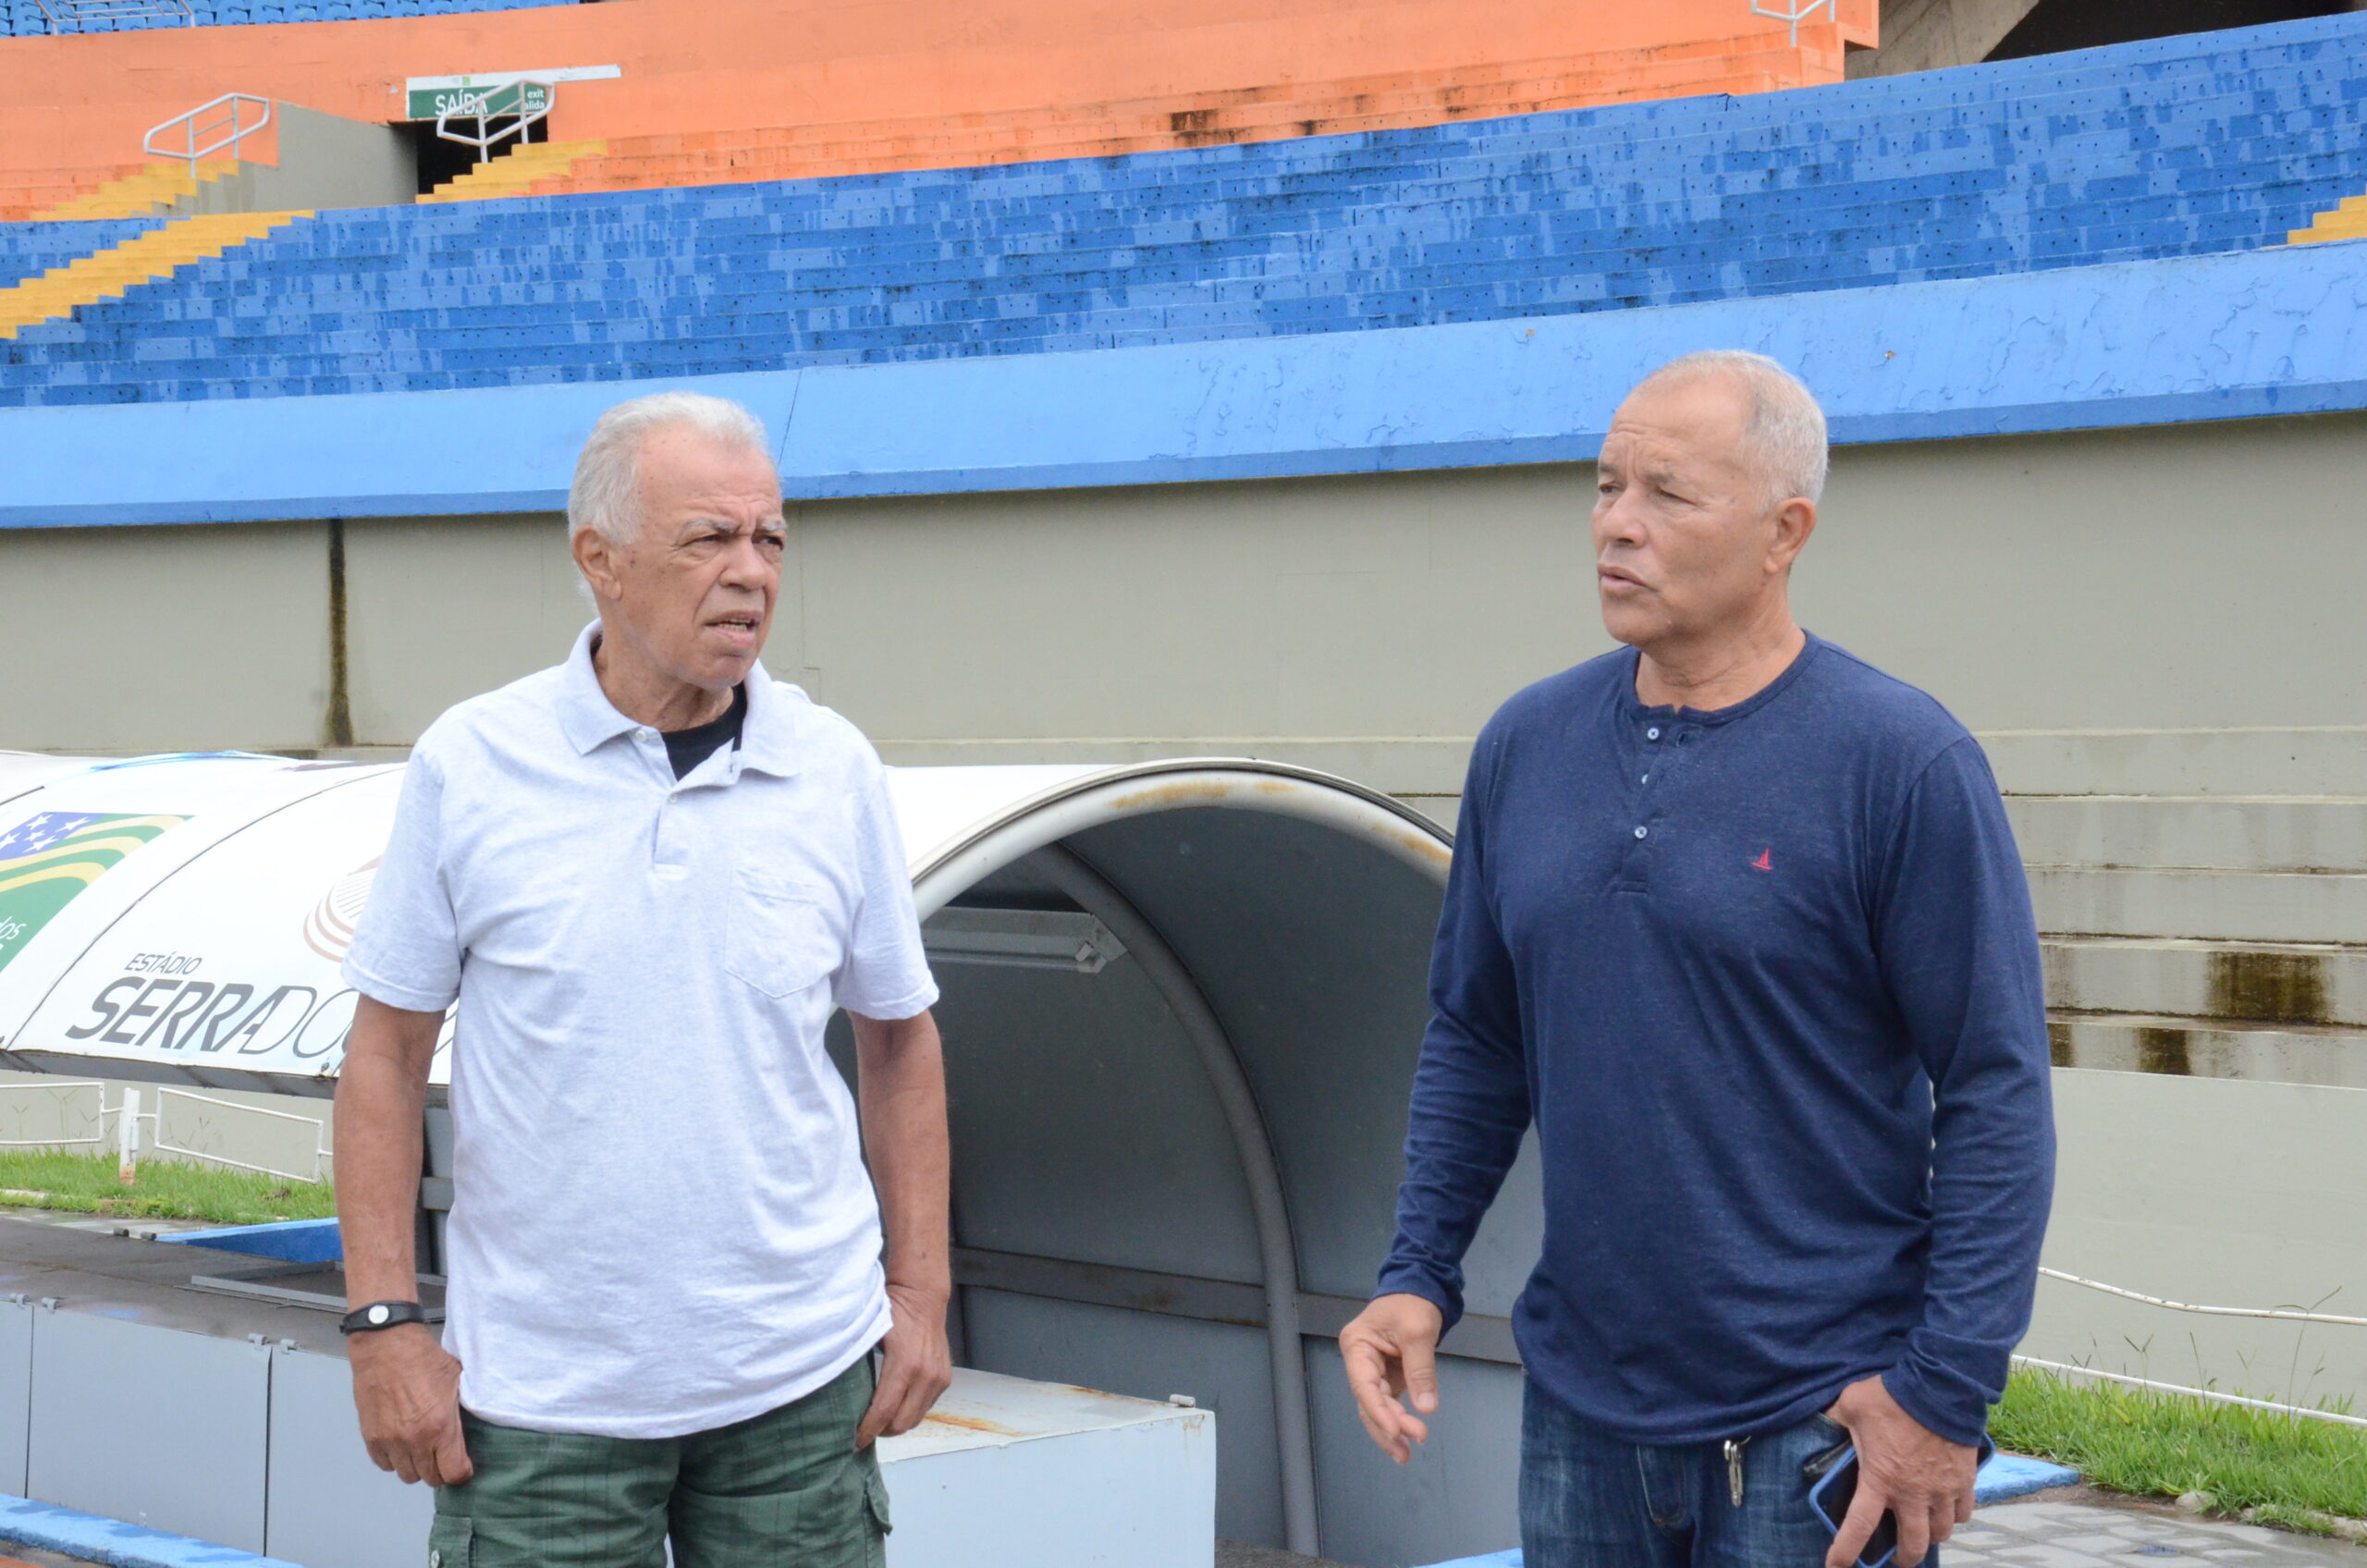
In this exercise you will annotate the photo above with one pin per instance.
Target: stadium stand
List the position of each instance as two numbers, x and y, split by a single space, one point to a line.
986 87
2184 146
1223 117
27 18
32 249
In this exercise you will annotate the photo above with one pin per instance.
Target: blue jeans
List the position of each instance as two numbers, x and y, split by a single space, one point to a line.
1589 1500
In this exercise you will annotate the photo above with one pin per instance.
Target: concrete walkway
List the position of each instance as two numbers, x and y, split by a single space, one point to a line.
2053 1533
2062 1529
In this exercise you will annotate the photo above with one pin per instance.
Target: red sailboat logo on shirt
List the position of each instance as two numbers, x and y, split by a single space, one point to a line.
1766 861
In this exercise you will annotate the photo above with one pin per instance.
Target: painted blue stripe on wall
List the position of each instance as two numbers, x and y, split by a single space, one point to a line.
2230 336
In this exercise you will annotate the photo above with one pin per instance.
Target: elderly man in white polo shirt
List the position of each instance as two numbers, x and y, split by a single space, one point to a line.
648 876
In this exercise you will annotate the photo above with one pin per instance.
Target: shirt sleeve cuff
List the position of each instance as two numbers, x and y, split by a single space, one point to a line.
410 999
1404 1282
911 1004
1942 1398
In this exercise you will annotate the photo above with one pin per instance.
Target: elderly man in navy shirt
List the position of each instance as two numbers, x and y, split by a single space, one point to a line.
1737 924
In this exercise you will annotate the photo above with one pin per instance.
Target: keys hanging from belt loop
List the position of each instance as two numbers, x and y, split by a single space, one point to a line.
1733 1468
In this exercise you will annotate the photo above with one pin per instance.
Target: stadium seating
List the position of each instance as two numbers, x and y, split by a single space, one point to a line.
1209 118
2175 147
31 249
967 81
25 19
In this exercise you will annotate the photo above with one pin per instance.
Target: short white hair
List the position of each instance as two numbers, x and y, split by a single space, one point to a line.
1785 436
606 495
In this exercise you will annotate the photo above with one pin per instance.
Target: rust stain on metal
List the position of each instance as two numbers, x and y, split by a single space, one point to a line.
1429 849
1177 794
972 1424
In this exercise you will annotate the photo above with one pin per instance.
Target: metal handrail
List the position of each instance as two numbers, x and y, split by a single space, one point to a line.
479 109
1801 11
237 131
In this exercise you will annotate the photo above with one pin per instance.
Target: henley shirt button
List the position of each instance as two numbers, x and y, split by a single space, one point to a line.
1639 832
1652 734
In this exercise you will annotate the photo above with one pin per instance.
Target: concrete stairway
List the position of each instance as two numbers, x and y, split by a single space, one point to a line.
152 188
514 173
26 194
2345 220
2202 895
105 274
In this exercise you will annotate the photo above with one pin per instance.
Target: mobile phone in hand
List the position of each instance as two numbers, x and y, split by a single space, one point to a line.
1832 1477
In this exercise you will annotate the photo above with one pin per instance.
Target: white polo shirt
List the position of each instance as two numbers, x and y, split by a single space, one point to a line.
661 1222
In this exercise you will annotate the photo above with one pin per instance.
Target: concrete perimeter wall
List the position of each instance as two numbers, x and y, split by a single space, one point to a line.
2178 576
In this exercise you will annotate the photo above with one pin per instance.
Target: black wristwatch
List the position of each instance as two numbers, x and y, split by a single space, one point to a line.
381 1315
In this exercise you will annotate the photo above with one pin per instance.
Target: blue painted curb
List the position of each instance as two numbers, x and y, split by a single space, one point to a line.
51 1529
291 1241
2005 1478
2011 1476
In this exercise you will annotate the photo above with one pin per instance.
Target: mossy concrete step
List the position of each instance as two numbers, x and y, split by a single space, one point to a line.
2230 906
2262 983
2202 1047
2330 760
2212 832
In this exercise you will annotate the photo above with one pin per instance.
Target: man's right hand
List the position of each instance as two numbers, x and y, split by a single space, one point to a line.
407 1390
1391 1349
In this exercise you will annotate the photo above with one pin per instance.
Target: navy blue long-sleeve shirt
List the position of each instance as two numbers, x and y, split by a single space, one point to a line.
1766 982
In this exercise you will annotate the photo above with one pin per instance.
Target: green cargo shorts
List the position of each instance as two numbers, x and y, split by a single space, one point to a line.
787 1489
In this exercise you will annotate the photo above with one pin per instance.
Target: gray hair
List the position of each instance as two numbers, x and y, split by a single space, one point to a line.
1785 435
606 495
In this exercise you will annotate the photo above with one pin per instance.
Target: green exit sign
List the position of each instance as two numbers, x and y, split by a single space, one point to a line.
489 98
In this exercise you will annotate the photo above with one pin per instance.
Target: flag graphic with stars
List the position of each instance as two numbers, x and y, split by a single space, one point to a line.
47 860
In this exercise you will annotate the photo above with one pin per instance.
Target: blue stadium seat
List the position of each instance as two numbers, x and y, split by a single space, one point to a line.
24 19
2189 146
28 250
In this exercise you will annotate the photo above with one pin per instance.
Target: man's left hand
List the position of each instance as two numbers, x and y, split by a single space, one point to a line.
916 1365
1923 1480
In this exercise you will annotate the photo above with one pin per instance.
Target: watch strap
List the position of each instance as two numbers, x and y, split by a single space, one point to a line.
381 1315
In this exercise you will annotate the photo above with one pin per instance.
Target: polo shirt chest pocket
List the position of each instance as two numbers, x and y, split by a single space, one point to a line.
784 935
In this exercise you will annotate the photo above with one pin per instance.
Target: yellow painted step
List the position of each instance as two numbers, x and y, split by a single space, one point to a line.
153 189
512 175
86 281
2347 219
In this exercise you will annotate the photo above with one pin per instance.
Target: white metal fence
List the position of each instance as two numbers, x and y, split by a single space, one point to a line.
130 1129
2212 1396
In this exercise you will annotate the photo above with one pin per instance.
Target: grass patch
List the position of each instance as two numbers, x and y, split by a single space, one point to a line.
163 1189
2162 1445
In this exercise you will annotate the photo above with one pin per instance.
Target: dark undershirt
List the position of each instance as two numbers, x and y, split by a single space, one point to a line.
688 748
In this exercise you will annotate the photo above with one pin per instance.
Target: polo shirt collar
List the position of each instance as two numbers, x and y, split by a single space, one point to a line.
1634 707
767 736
